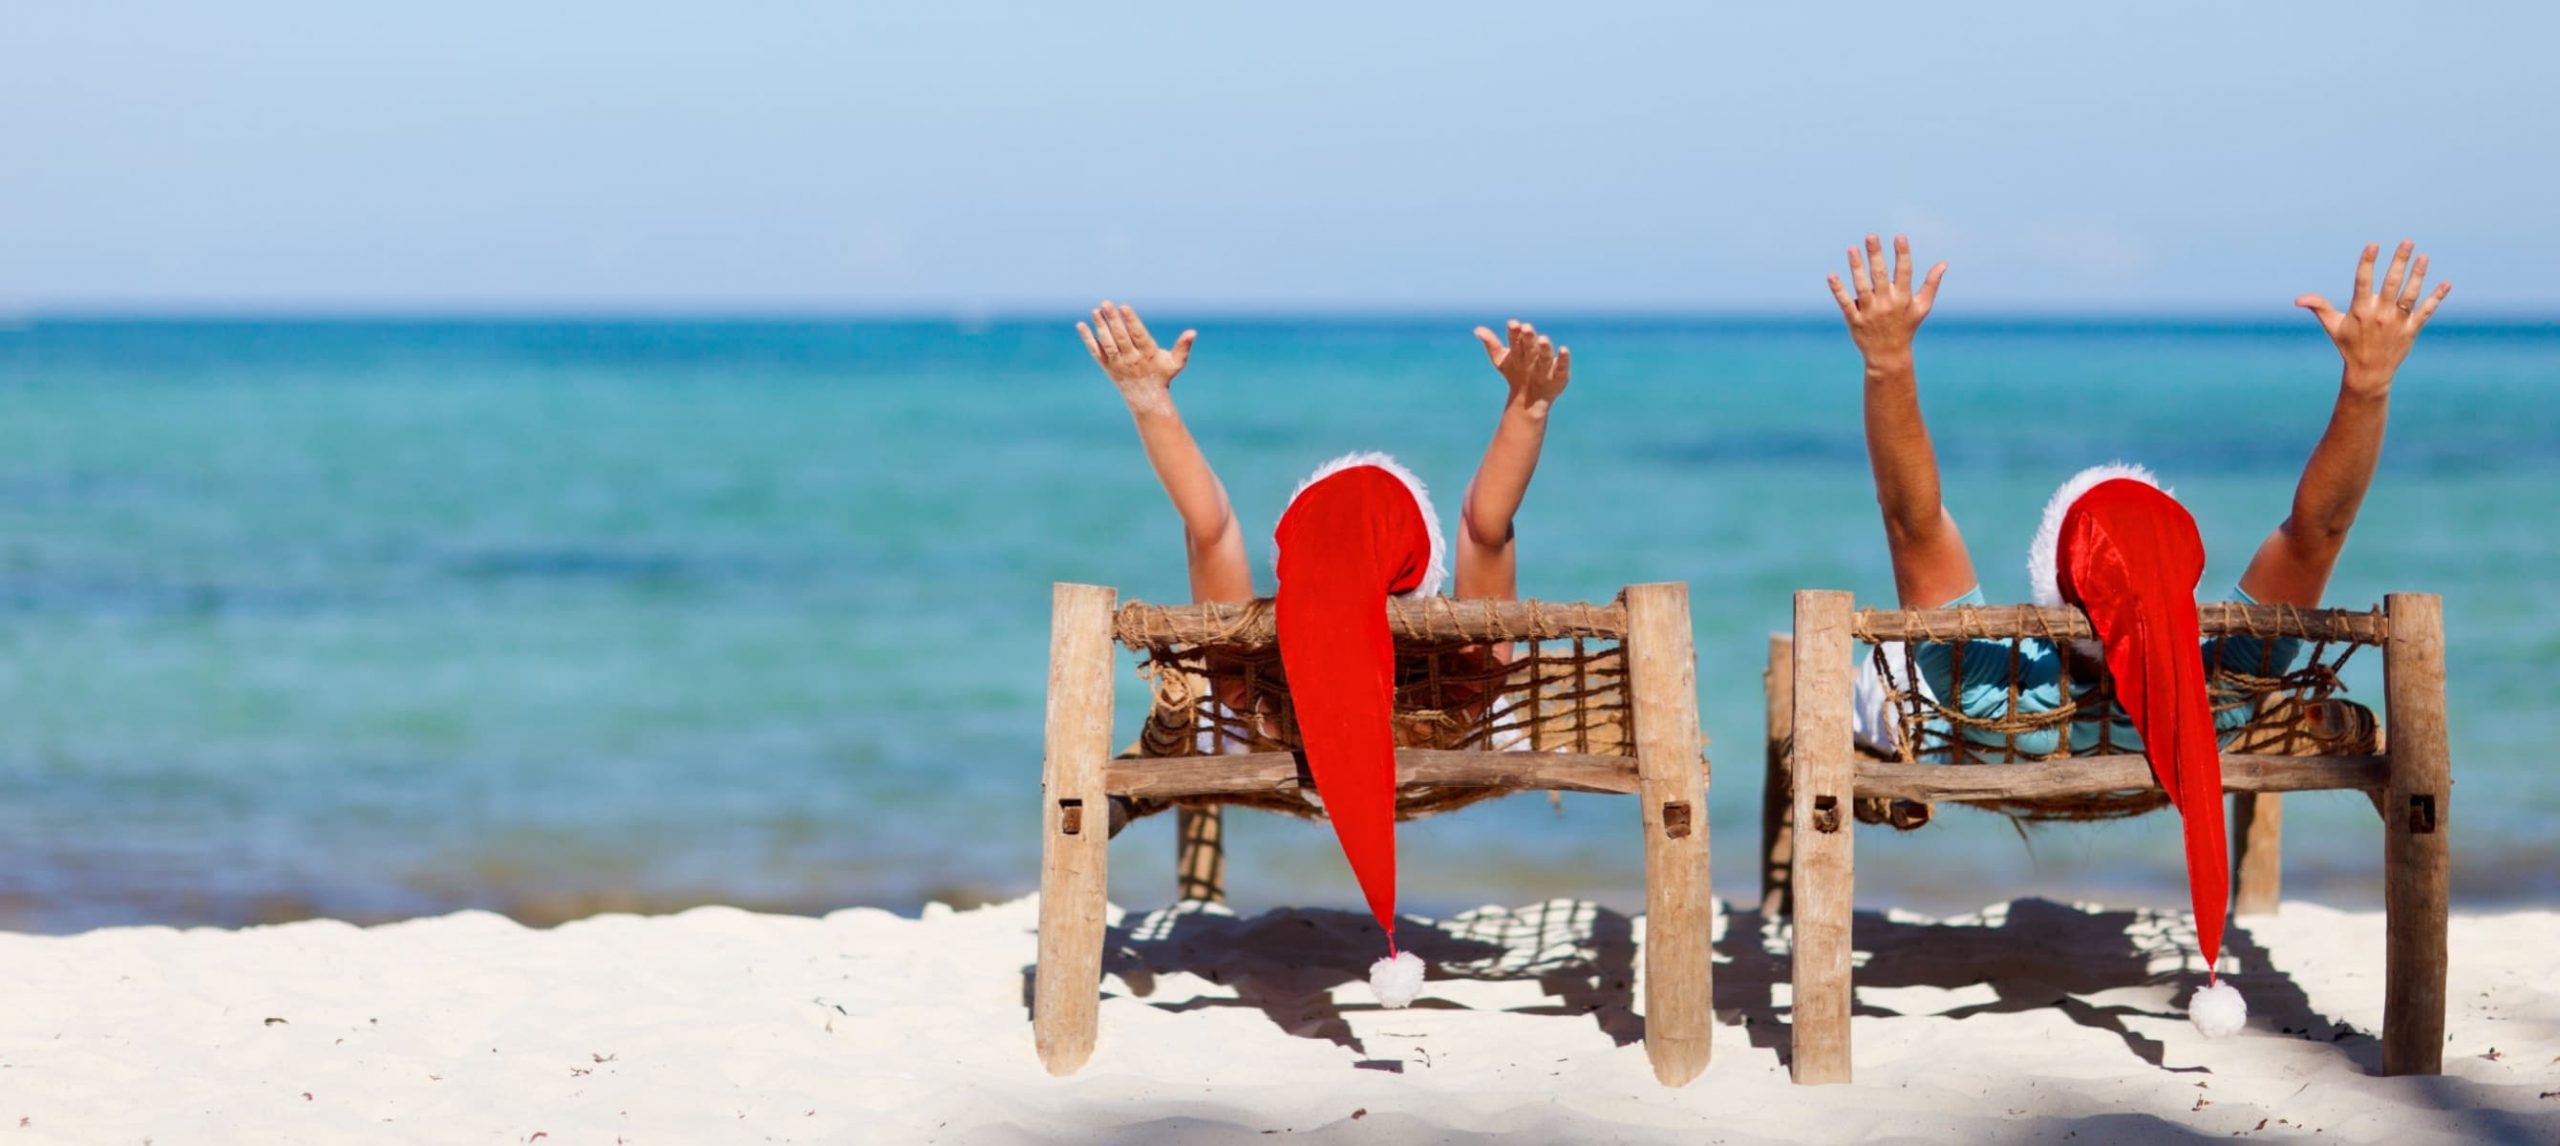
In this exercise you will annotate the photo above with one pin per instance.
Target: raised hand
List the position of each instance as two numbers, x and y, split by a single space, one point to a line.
2379 325
1534 365
1882 309
1142 370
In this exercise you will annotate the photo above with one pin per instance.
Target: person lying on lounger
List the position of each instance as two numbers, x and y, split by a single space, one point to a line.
2116 546
1361 529
1931 568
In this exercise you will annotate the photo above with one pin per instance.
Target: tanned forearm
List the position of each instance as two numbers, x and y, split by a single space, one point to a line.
2294 563
1208 518
2341 468
1536 371
1489 557
1899 450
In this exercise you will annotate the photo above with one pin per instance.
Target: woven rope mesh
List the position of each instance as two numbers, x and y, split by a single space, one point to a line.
2292 713
1477 686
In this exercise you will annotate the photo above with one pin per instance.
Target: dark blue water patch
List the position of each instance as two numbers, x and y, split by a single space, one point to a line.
26 594
569 564
603 565
38 595
33 489
1718 450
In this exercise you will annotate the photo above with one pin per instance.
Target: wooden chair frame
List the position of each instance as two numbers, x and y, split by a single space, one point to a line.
1080 781
1816 776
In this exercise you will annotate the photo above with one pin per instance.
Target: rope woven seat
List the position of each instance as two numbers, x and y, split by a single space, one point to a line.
1537 678
2280 732
1491 698
2294 713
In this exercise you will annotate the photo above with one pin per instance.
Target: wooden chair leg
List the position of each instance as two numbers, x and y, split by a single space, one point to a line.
2257 842
1777 804
2416 817
1075 837
1679 964
1200 854
1823 885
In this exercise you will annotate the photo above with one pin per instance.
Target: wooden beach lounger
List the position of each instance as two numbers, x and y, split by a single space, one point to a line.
2299 738
1593 698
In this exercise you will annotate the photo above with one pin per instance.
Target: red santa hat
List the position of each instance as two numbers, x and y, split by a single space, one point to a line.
2117 546
1357 532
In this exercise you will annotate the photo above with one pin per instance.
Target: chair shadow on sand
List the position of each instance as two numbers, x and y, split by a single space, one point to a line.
1287 962
2032 954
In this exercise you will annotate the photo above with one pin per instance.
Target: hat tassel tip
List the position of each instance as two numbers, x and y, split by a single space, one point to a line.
2218 1010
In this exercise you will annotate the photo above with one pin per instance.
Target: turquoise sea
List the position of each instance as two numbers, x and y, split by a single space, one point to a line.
371 618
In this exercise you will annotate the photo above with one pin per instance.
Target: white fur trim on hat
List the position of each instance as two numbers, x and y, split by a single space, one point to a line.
2043 575
1438 573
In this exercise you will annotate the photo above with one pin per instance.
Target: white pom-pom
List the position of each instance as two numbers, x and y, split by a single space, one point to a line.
2218 1010
1396 980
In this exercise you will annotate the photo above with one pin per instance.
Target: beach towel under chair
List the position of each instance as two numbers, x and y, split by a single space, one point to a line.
1591 698
2298 736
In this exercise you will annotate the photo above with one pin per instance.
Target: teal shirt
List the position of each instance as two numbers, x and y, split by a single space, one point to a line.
1984 690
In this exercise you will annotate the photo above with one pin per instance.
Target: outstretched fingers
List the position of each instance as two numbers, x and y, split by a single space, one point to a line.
1494 348
1928 296
1877 276
1110 342
2414 287
2391 278
1182 348
2364 273
2418 318
1091 346
1139 340
1857 275
1117 316
1840 294
1902 263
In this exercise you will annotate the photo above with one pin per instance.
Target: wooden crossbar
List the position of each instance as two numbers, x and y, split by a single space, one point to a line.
2097 775
2005 622
1250 624
1183 777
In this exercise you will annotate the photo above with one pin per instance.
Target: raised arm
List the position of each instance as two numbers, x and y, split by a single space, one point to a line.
2373 334
1930 565
1536 370
1144 372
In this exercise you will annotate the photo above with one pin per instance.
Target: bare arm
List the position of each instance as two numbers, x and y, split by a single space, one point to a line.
2373 335
1143 371
1537 370
1930 564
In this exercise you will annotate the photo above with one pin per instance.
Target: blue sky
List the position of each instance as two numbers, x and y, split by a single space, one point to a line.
976 157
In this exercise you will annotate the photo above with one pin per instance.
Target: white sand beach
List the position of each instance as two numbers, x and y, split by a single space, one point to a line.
2032 1021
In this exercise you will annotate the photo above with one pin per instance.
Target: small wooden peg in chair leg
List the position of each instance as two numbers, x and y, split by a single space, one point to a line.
1679 964
1075 834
